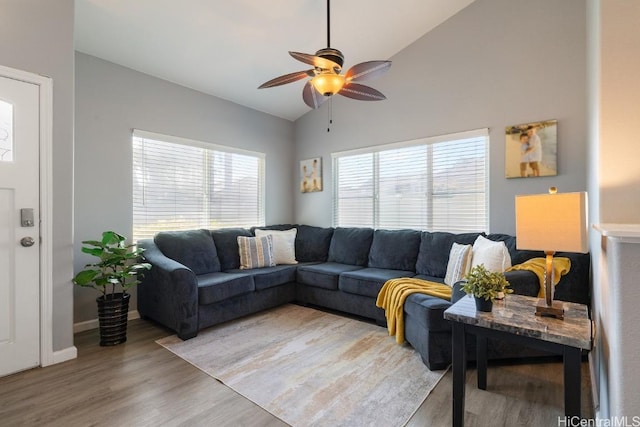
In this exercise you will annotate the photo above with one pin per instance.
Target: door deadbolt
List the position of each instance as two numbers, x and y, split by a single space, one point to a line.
26 217
27 242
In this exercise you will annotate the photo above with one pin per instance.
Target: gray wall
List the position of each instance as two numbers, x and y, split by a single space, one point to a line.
37 36
614 196
111 101
495 63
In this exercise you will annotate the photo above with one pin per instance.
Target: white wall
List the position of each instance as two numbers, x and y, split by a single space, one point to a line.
614 188
37 36
111 101
495 63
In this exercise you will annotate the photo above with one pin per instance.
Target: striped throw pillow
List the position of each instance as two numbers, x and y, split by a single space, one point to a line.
255 252
459 263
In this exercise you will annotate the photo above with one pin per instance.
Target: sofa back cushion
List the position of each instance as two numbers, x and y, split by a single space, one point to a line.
394 249
575 286
226 241
312 243
193 248
350 246
279 227
435 247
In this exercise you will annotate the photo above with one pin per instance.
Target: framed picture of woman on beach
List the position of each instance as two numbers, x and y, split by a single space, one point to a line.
311 175
531 149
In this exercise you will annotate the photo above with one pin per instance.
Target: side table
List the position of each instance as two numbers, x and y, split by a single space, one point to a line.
514 319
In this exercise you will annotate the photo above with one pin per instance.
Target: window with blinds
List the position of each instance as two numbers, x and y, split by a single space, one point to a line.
435 184
179 184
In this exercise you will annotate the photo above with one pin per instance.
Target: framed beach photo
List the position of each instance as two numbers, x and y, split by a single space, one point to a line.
531 149
311 175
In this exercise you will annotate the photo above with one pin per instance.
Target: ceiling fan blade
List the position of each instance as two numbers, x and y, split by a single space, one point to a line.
312 97
361 92
316 61
287 78
367 70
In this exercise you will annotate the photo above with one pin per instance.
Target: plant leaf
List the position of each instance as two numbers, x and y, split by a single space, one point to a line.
85 277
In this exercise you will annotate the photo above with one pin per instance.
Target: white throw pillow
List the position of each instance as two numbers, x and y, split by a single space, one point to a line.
284 244
459 263
494 255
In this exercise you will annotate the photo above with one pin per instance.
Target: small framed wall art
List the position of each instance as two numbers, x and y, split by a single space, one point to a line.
531 149
311 175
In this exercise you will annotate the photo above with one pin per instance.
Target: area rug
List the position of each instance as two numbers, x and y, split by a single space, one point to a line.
312 368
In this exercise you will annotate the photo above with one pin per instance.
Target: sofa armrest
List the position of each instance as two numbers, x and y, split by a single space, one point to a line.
168 293
456 292
522 282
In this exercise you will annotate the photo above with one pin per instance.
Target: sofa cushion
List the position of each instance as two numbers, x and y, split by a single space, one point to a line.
272 227
284 244
323 275
368 281
394 249
427 311
350 246
255 252
434 251
270 277
312 243
575 286
193 248
216 287
429 278
226 241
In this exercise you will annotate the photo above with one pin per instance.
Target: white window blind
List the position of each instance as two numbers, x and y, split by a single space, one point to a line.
435 184
180 184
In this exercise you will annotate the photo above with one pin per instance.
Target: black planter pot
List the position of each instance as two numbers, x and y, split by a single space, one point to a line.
112 315
483 304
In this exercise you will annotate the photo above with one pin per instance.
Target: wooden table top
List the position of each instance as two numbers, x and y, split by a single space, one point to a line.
516 314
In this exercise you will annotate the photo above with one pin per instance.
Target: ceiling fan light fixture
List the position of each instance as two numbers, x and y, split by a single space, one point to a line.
328 84
326 78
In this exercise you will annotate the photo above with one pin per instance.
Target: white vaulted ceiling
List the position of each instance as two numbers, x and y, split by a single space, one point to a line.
228 48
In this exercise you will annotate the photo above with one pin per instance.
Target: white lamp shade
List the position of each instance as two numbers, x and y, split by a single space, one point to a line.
552 222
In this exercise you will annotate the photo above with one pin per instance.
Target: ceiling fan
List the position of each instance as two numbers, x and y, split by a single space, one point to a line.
326 78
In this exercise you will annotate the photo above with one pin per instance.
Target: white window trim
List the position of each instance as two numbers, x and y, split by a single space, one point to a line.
137 133
475 133
144 134
484 132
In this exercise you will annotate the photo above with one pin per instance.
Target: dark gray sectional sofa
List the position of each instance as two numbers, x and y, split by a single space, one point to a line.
195 281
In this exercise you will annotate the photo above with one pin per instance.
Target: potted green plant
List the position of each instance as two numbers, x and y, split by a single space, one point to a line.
116 271
485 286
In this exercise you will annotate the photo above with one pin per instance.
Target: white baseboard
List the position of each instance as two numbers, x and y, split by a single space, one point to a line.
93 323
60 356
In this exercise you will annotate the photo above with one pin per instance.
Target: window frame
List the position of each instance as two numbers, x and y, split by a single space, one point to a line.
210 147
429 142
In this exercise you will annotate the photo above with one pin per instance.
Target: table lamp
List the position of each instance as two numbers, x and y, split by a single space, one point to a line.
551 223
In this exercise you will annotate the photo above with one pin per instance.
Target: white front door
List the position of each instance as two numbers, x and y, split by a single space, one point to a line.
19 226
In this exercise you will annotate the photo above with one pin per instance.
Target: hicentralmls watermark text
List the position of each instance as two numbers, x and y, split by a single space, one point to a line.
599 422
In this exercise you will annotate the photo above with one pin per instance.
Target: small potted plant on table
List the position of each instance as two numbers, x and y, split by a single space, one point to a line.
116 271
485 286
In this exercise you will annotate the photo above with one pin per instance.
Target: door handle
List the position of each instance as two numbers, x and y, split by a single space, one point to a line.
27 242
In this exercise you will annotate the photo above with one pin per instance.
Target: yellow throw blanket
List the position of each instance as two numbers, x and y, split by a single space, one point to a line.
395 291
561 267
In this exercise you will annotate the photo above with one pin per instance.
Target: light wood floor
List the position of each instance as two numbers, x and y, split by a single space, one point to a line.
140 383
